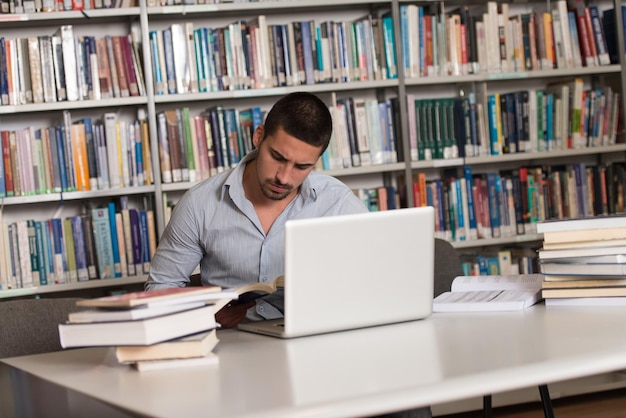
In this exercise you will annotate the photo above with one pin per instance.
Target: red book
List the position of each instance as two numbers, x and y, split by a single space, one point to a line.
129 65
120 66
203 157
8 170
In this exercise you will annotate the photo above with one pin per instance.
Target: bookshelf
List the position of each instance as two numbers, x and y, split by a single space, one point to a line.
149 17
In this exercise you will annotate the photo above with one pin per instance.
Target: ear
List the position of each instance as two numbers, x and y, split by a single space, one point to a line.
257 136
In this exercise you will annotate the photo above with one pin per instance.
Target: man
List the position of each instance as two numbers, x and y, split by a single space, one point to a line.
232 224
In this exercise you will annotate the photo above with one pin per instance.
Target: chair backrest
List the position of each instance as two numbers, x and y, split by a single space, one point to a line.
29 326
447 266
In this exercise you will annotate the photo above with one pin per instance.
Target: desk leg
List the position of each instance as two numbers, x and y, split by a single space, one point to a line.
545 401
487 406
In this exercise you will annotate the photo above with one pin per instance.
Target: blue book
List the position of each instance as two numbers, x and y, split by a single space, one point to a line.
571 17
471 206
473 123
139 155
550 143
79 248
217 143
307 52
492 114
3 188
104 247
117 266
494 204
145 241
257 117
219 71
422 49
4 82
387 147
404 36
49 250
159 81
60 152
344 59
493 266
209 58
598 35
234 149
505 222
42 257
319 52
440 208
170 72
60 259
460 211
483 268
33 249
201 60
389 44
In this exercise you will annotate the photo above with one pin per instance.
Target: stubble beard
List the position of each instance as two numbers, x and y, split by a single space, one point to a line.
272 194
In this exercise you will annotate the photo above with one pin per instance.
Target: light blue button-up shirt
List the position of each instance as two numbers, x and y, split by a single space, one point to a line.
215 226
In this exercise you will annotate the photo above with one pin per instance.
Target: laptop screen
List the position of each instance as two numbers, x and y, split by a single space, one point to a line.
353 271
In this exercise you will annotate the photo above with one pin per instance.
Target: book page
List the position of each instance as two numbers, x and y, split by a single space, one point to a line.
486 300
513 281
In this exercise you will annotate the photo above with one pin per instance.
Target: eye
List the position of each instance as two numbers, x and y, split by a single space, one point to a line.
303 167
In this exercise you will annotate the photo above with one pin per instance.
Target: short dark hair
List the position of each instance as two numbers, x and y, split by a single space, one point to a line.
301 115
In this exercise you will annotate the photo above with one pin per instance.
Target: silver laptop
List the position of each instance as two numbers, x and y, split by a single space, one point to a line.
354 271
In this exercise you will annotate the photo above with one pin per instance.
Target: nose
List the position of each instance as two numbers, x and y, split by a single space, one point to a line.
283 174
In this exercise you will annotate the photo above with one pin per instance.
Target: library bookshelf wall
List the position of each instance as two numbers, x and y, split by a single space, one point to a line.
199 77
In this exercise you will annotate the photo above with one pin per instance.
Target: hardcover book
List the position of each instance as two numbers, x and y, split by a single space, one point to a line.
191 346
88 315
137 332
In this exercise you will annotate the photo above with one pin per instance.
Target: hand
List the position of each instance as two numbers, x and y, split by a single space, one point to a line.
233 313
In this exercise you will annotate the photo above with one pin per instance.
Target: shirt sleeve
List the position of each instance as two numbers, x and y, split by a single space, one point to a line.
179 252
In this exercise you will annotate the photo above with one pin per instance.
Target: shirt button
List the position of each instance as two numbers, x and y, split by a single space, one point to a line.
264 279
261 308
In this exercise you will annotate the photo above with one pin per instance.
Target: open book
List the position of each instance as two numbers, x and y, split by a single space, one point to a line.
253 291
490 293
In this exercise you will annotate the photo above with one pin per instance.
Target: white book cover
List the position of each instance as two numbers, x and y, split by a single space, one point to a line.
191 57
181 60
110 129
69 62
47 69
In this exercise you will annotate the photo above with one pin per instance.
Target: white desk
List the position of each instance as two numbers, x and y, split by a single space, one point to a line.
445 358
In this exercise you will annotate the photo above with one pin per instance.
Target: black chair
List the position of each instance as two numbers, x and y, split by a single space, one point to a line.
447 267
29 326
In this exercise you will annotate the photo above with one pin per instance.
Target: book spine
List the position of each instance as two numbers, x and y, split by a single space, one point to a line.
34 254
80 248
70 252
60 257
89 246
117 268
40 257
135 230
104 246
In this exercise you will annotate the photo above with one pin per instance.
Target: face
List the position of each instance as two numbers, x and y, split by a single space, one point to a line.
283 163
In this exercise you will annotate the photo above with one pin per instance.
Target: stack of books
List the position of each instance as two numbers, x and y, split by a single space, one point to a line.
151 330
584 261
